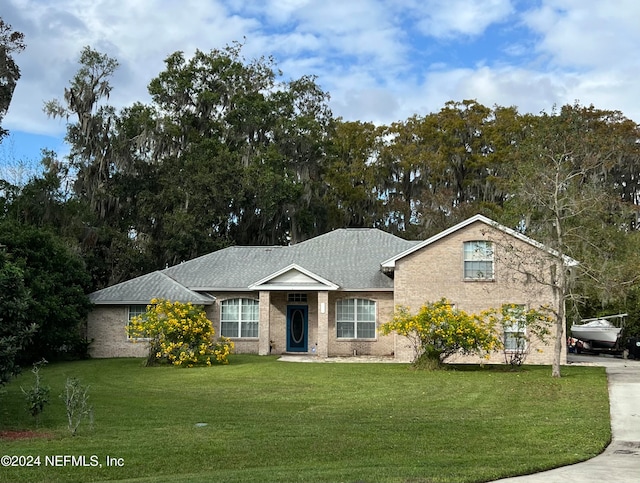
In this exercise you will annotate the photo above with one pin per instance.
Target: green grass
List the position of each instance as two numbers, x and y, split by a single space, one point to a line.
279 421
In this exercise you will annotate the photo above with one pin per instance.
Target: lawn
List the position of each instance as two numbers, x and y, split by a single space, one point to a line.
268 420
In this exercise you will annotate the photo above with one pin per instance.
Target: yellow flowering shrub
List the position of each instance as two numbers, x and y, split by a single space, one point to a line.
180 334
439 330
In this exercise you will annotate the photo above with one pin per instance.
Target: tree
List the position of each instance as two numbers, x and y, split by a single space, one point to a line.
16 328
561 198
439 331
106 169
442 168
267 138
352 195
179 333
11 42
57 282
93 156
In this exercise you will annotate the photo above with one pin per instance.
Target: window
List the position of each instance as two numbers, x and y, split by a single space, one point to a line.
515 332
134 311
356 319
239 318
478 260
297 297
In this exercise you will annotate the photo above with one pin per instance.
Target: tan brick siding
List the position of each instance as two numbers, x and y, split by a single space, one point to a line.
106 328
436 271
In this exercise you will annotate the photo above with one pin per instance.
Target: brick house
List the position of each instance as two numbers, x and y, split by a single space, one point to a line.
328 295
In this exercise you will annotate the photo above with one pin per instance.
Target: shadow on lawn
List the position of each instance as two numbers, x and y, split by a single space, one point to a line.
488 368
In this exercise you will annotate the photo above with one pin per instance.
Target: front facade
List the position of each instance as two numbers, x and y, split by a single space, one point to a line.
329 295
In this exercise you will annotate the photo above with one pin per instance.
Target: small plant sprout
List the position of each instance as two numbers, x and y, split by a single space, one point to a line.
38 395
76 400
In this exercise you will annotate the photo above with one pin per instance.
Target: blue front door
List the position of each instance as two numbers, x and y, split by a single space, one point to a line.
297 328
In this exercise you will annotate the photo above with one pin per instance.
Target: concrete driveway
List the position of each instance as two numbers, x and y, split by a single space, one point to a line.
620 462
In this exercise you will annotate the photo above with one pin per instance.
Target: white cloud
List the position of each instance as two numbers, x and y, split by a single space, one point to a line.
587 34
449 18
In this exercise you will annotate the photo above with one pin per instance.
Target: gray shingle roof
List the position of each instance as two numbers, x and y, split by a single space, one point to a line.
140 291
350 258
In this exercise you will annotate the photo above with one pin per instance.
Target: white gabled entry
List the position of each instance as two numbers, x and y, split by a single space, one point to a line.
294 278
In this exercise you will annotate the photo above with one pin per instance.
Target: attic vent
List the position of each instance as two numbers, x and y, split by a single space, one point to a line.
297 297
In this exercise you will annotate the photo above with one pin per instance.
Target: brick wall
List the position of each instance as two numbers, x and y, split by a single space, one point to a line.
436 271
106 326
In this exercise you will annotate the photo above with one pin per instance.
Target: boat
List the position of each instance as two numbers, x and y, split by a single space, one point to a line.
598 332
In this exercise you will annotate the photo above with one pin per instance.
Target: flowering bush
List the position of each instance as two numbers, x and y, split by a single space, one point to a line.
179 333
439 330
519 326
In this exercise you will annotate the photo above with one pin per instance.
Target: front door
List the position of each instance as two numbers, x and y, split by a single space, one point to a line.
297 328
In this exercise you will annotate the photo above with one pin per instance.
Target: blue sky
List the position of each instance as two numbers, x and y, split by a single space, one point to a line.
380 60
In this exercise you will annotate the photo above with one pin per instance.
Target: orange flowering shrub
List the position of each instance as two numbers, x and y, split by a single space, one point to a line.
439 330
179 333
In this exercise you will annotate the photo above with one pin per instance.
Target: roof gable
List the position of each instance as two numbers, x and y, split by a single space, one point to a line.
293 277
390 263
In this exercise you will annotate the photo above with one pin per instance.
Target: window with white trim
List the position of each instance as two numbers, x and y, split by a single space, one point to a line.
478 260
135 311
356 319
239 318
515 330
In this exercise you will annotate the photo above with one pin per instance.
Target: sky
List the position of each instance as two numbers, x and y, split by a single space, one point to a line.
380 60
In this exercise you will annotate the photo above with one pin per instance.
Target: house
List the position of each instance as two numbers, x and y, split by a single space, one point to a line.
328 295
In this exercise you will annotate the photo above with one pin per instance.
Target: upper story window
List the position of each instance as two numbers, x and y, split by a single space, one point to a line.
356 319
239 318
478 260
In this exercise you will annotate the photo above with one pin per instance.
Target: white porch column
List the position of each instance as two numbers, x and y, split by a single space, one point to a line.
323 324
264 323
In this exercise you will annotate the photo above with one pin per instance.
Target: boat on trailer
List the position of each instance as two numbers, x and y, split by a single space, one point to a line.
600 332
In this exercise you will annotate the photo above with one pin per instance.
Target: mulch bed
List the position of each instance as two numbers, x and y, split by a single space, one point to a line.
15 435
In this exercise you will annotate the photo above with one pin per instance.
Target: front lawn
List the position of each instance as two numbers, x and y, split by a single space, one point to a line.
268 420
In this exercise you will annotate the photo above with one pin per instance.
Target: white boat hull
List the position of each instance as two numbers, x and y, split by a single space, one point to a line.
597 336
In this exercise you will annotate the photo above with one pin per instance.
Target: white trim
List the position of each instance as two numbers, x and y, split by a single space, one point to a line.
391 262
240 321
321 283
355 320
487 259
135 339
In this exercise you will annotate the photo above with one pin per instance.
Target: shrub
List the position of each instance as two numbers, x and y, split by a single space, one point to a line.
76 401
180 334
439 330
38 395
